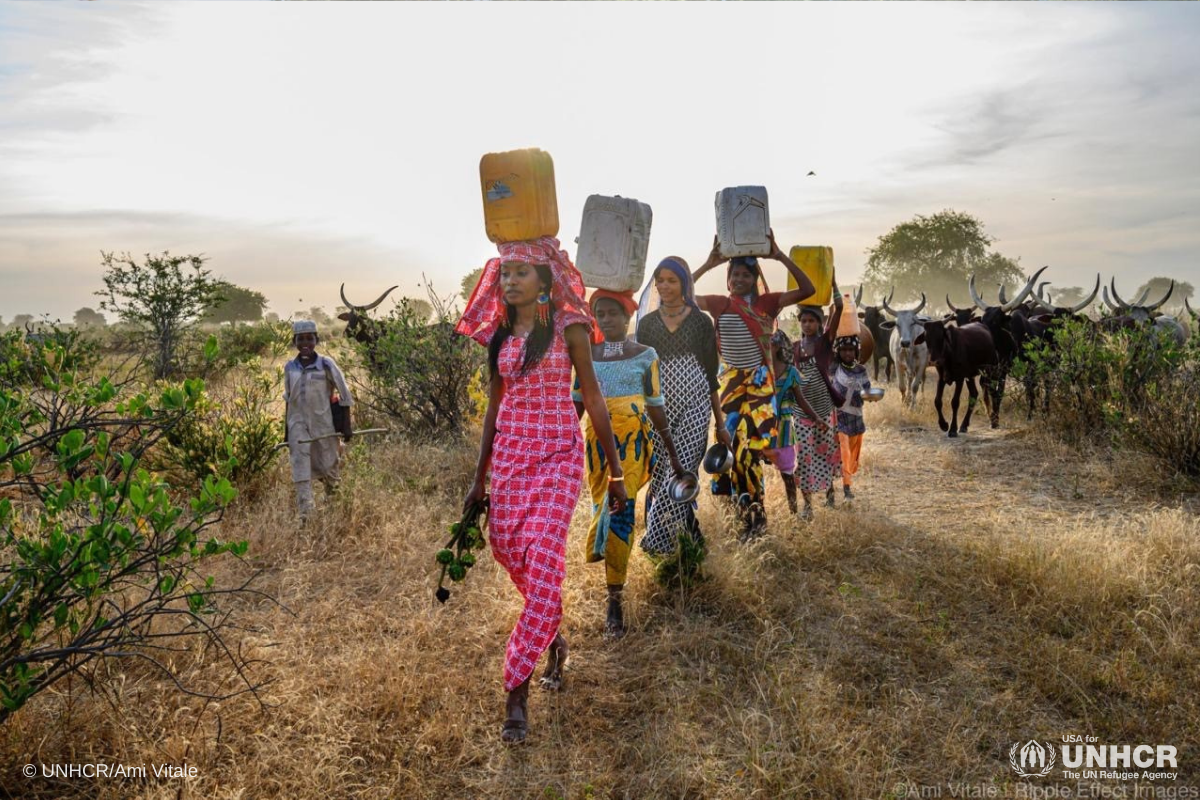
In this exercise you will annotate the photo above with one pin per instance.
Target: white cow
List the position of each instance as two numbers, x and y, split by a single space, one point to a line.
910 355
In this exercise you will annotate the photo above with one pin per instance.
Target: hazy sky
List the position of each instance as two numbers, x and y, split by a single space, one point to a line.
302 144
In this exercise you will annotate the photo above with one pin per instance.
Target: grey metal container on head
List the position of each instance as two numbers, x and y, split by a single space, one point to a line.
614 239
743 221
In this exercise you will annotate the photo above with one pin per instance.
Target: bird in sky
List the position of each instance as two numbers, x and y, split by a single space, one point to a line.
810 172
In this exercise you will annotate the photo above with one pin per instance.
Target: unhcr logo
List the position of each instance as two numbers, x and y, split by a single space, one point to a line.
1033 756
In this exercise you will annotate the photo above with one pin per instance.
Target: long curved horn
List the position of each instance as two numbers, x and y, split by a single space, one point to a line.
950 305
858 296
1090 298
1193 314
368 306
1141 301
975 294
1045 303
1000 294
917 310
1117 297
1021 295
884 302
1109 303
1166 296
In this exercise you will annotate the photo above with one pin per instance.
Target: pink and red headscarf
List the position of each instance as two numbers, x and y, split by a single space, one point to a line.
486 309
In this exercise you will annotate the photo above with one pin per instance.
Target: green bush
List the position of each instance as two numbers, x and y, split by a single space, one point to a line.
26 359
1131 388
418 374
231 433
99 558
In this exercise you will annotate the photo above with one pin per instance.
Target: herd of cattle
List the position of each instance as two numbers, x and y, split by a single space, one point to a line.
965 344
985 342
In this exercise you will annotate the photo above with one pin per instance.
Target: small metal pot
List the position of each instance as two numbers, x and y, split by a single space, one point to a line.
684 488
718 459
874 394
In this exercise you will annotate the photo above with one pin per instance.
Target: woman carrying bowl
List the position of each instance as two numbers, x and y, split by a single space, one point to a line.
745 320
627 373
670 321
528 310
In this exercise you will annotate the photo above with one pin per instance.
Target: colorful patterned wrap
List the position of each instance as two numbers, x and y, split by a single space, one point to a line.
629 386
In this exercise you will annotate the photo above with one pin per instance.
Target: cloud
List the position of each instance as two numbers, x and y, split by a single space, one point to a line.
50 262
304 153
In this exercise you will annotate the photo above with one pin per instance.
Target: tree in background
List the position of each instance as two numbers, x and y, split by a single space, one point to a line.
321 317
422 309
1067 295
89 318
164 297
937 255
239 305
1158 287
470 282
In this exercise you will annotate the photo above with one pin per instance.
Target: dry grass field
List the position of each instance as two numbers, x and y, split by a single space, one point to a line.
979 592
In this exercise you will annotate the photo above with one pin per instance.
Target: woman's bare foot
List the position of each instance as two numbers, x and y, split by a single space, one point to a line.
614 623
516 713
554 677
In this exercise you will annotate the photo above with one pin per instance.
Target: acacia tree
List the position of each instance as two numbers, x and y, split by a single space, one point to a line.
1158 288
89 318
937 255
238 305
164 297
469 282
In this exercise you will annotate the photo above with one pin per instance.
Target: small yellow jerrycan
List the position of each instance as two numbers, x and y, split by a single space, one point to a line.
519 201
816 262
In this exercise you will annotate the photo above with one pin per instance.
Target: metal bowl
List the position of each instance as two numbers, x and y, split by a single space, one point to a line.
718 459
684 488
873 394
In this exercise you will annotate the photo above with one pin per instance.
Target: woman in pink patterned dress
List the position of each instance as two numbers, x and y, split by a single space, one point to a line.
528 309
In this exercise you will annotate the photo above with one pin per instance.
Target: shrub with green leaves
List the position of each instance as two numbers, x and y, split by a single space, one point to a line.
231 432
235 345
418 374
100 558
1130 388
26 358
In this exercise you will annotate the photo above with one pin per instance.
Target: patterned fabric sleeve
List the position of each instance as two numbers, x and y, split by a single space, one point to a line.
706 350
652 388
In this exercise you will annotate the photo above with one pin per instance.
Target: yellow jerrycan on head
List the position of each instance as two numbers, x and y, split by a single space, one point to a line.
519 201
815 261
